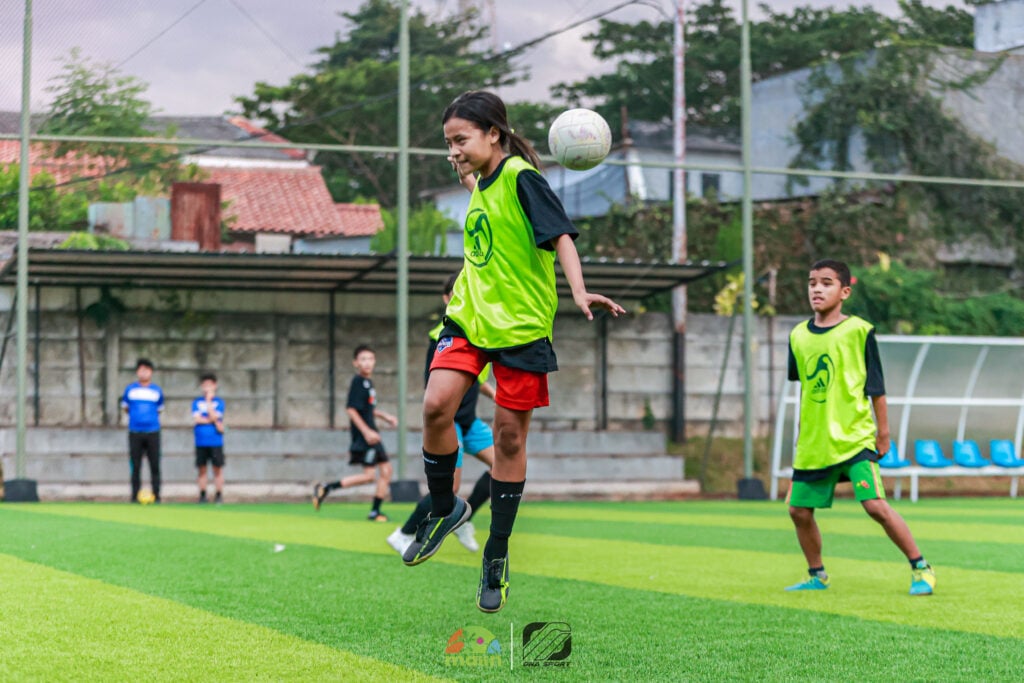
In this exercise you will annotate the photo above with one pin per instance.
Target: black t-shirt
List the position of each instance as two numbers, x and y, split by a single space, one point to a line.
466 414
540 204
363 397
874 385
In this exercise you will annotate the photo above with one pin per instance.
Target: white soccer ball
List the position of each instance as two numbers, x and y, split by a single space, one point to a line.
579 139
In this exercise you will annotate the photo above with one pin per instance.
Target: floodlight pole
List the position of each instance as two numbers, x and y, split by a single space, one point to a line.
403 234
21 287
679 221
748 252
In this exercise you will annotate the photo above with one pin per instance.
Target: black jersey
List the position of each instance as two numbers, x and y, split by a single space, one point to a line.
363 397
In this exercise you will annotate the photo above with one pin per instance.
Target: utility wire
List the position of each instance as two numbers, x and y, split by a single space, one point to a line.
512 51
269 36
159 35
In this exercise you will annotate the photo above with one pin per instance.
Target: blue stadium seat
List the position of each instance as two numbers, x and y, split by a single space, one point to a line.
1003 453
928 453
967 454
892 460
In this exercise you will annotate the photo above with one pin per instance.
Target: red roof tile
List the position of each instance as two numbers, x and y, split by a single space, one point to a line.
360 219
281 200
264 135
62 169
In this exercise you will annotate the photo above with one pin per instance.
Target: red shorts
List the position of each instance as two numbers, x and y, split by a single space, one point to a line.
517 389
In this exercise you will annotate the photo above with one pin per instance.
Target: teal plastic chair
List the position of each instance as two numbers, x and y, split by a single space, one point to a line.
967 454
892 460
1003 453
928 453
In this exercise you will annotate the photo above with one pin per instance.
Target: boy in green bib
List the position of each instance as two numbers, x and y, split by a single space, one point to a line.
844 424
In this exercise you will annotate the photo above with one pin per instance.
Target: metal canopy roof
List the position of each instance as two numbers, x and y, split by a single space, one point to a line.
358 274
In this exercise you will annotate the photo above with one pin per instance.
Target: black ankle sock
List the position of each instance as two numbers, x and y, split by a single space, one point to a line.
813 571
481 492
440 470
913 562
505 497
332 486
376 504
417 516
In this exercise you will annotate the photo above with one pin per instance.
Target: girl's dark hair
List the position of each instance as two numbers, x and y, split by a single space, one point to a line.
361 348
486 109
449 284
207 376
841 269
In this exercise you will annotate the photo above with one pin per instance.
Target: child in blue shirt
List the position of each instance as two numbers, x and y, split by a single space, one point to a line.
143 401
208 416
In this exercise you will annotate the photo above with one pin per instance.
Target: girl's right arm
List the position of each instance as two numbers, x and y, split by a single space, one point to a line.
570 260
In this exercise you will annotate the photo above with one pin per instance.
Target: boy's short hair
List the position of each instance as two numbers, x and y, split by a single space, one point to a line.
449 284
840 268
361 348
207 376
143 362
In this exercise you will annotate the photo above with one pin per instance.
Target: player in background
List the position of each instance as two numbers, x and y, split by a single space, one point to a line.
208 430
835 358
366 450
143 401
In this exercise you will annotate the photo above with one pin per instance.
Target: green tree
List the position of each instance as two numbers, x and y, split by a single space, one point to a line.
783 41
351 94
95 99
428 229
48 209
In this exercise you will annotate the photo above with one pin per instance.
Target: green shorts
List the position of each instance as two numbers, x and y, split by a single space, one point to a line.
864 475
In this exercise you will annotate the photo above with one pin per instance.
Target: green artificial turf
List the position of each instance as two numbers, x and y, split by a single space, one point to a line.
659 591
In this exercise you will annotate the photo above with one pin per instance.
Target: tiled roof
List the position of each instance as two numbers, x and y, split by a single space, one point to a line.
293 201
360 219
63 169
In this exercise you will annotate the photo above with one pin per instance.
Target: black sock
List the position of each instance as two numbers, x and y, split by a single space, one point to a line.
913 562
813 571
332 486
440 471
376 504
417 516
505 497
481 492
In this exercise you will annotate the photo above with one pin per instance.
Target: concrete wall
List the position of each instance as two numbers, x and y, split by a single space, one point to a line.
271 354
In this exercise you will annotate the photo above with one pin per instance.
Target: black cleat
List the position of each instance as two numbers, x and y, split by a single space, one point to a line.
493 590
319 493
432 531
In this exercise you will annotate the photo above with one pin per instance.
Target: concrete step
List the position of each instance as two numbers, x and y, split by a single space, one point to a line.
292 492
268 457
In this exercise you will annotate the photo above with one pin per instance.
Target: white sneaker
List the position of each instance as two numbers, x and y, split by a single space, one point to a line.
400 541
465 534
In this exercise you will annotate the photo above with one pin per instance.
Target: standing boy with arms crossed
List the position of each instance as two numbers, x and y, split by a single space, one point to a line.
835 358
208 416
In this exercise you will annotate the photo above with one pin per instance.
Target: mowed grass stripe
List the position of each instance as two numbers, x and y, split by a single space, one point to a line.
406 616
964 554
90 629
862 588
995 511
851 525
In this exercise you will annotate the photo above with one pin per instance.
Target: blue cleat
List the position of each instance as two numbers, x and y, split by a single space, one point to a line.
818 582
922 579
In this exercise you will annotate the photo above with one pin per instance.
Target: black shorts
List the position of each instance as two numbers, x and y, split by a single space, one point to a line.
210 454
374 455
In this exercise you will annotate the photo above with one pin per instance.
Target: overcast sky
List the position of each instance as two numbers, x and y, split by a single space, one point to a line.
197 55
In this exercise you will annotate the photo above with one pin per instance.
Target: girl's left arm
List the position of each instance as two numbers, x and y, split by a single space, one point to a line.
570 260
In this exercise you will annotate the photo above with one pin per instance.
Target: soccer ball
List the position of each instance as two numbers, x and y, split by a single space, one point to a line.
146 497
580 139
